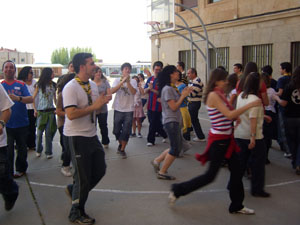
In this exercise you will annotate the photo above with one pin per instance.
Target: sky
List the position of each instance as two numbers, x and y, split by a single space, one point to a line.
114 29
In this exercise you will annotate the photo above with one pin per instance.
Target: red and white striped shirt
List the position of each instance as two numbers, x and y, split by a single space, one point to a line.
219 123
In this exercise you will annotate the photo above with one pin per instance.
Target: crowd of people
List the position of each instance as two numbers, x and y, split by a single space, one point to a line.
247 110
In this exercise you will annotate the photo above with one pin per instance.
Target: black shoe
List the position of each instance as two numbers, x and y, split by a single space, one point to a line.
267 162
83 220
119 149
10 202
123 154
261 194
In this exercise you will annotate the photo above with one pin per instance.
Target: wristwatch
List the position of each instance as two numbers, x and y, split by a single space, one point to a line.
2 123
20 99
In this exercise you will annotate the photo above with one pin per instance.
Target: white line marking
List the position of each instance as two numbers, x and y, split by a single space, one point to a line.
157 192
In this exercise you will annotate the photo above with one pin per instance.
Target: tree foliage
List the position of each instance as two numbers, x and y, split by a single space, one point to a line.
63 56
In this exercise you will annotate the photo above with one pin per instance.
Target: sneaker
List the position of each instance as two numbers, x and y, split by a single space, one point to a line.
83 219
287 155
65 170
172 198
164 140
261 194
139 136
38 154
123 154
155 166
196 139
149 144
133 135
9 203
49 156
19 174
165 176
245 211
106 146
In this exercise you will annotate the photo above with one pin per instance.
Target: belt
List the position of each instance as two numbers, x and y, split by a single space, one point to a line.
47 110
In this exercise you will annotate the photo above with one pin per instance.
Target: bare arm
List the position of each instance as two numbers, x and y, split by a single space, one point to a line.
280 101
280 91
116 88
131 89
25 100
253 122
215 101
5 115
265 98
174 105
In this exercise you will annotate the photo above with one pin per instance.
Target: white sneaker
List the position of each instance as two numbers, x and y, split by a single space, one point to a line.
139 136
245 211
49 156
196 139
38 154
164 140
172 198
149 144
65 170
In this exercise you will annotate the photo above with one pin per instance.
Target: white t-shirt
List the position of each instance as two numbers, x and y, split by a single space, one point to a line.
124 100
74 95
31 89
5 103
271 106
243 130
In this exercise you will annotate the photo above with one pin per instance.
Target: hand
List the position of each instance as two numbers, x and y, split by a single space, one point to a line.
268 119
237 122
147 72
35 113
101 100
14 97
186 91
252 143
275 97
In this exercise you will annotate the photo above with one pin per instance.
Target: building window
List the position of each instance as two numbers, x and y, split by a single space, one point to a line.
22 60
185 56
189 3
219 58
260 54
295 54
213 1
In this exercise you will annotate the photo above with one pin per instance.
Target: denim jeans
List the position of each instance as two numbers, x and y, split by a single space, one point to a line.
66 155
48 137
102 121
20 136
88 159
173 130
216 153
254 158
155 125
8 187
194 108
293 138
122 125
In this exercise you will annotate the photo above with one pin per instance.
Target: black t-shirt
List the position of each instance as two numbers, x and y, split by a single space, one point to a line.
292 96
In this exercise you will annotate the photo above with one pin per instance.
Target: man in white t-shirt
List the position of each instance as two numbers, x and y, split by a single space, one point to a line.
8 187
81 99
125 89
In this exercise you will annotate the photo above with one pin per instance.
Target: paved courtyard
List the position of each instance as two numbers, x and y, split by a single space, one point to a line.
130 193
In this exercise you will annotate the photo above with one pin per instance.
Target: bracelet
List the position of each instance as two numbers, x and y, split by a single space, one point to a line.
2 122
20 99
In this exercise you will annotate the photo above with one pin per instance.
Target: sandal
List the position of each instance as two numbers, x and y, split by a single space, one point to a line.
165 176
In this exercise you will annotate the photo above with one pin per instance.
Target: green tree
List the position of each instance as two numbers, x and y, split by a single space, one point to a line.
61 56
76 50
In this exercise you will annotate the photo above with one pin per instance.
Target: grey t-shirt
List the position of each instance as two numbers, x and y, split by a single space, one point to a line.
102 89
168 115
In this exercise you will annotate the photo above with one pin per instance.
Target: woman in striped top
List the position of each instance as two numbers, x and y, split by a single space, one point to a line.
220 145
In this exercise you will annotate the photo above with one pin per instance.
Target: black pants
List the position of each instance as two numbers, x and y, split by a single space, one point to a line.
102 121
155 125
8 187
216 155
254 158
89 163
66 155
20 136
32 129
194 108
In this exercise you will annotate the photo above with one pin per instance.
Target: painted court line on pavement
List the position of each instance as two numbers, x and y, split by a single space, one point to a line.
157 192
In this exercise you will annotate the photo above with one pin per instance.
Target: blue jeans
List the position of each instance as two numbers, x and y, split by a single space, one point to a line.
122 125
48 137
293 138
173 130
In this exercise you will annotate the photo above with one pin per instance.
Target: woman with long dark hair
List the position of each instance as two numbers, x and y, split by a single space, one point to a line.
26 75
171 119
220 145
290 100
45 91
249 135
